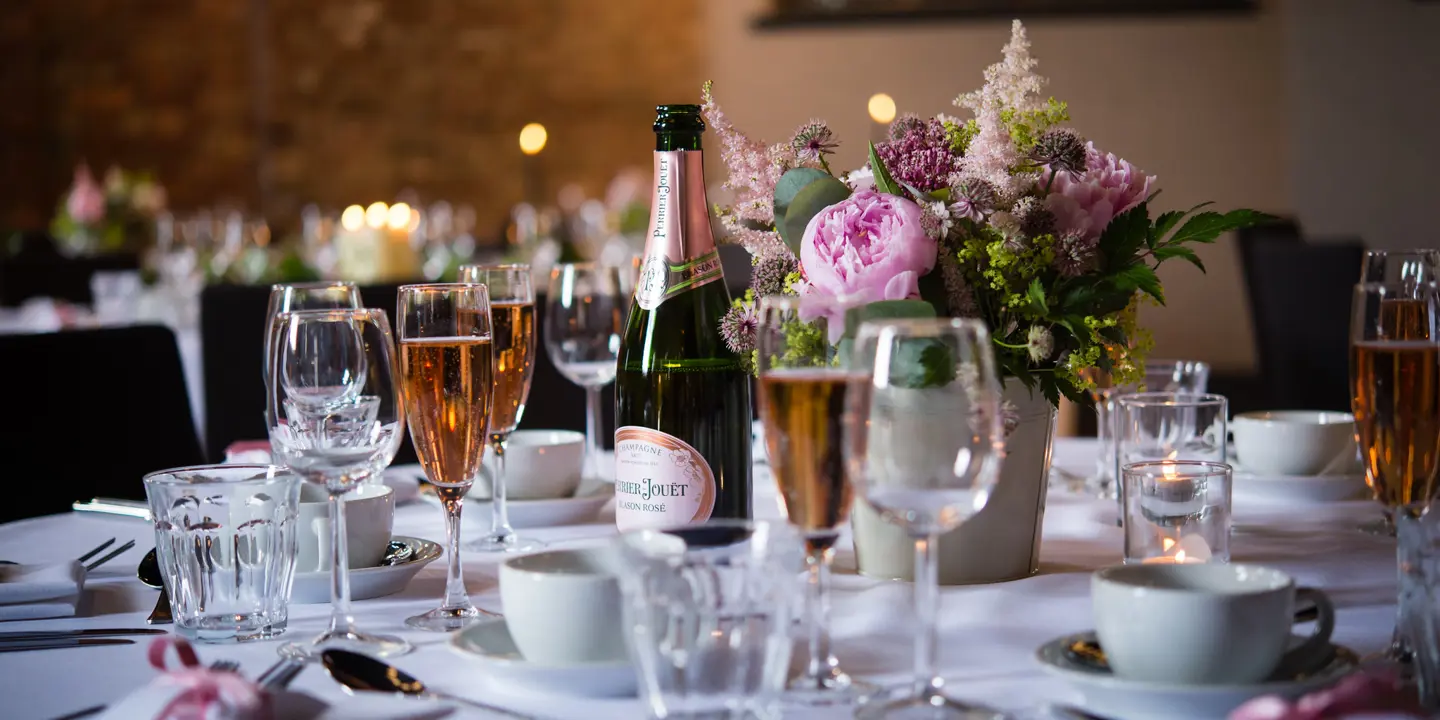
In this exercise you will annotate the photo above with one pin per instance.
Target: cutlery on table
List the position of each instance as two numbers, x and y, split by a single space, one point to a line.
76 634
10 646
218 666
366 674
279 675
91 554
149 573
111 556
138 509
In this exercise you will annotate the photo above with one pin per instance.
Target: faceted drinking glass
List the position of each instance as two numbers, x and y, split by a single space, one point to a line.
225 536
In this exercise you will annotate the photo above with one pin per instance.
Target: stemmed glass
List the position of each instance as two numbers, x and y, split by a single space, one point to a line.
925 476
334 418
802 405
1395 397
584 318
447 366
512 309
290 297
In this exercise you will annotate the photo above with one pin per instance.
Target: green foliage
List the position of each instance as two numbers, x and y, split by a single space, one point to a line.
820 193
1026 126
960 135
883 182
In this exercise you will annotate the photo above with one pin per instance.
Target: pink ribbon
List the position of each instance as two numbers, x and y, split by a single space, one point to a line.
201 693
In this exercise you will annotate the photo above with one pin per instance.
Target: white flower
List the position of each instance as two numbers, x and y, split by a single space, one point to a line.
861 179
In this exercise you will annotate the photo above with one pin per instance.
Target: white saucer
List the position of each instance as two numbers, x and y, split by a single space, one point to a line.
367 583
548 512
1123 699
489 643
1298 488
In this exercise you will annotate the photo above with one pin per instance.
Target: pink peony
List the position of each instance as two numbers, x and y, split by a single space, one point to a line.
1357 695
870 246
86 202
1086 203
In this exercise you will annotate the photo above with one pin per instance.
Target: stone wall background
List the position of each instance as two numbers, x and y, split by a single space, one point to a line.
345 101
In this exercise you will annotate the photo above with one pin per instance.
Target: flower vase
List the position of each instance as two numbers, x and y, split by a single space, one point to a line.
1002 541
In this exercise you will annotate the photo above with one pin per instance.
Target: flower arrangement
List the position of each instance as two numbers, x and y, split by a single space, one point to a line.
1008 216
94 216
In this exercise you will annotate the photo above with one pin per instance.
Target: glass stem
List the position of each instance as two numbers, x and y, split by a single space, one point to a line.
499 514
1399 643
927 596
455 594
592 431
822 661
341 621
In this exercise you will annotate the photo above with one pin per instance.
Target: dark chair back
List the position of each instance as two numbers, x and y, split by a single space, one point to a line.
108 407
1300 307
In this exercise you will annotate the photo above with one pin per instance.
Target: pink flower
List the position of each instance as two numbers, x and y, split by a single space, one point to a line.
870 246
86 201
1356 695
1086 203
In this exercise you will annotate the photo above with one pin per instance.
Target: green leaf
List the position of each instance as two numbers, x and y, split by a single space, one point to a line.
1036 296
883 182
922 363
932 290
1124 236
1166 252
886 310
1206 226
790 185
1141 277
807 203
1163 225
1115 335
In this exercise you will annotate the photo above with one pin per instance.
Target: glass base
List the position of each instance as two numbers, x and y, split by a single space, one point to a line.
834 689
364 643
1382 527
906 704
448 619
506 542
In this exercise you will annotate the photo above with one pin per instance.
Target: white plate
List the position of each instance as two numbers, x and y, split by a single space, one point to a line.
1123 699
367 583
489 643
1298 488
541 513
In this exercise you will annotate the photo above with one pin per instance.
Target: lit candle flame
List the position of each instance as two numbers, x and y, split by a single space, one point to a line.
1166 544
1179 556
377 214
398 216
353 218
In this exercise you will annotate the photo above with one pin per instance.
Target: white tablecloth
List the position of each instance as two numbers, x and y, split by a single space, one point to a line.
989 633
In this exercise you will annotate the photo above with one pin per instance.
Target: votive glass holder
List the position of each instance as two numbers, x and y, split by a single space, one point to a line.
225 537
1177 511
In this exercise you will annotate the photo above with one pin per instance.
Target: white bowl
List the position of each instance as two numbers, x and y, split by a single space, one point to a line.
539 465
1293 442
369 518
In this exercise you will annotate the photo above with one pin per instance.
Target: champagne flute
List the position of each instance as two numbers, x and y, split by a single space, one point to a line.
334 418
1395 397
512 308
446 361
925 475
288 297
584 318
802 406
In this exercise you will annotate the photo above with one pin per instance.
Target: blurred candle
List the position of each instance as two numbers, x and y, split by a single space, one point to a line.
882 111
532 141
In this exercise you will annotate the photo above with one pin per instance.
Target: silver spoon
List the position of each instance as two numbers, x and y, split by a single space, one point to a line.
366 674
149 573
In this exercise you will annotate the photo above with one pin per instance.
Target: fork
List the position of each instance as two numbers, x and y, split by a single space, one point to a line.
113 554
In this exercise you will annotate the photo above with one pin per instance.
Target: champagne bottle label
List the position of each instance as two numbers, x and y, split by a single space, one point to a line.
660 480
680 253
659 279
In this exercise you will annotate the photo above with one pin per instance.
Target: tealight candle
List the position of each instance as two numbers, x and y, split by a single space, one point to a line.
1178 511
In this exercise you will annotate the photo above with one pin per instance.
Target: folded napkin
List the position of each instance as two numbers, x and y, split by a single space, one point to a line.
32 592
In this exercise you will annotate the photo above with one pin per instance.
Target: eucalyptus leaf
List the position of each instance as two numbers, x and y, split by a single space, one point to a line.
886 310
807 203
790 185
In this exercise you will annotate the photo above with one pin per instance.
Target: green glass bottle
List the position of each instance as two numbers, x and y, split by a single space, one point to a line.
682 438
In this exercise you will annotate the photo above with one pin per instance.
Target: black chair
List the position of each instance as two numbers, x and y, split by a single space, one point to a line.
38 274
107 407
1300 297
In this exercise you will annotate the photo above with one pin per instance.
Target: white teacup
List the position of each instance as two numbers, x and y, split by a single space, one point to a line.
563 606
369 518
1294 442
1202 623
539 465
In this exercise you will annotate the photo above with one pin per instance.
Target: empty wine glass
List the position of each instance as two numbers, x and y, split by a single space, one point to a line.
512 312
925 476
584 318
290 297
447 362
334 418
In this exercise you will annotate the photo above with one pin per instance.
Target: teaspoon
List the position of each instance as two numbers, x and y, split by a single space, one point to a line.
363 673
149 573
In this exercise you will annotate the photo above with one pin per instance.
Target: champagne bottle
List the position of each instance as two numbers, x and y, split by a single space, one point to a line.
682 441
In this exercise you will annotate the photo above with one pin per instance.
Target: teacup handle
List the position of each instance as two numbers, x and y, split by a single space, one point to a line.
1324 625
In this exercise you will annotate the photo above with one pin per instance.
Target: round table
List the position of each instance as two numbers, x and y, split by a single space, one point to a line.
988 633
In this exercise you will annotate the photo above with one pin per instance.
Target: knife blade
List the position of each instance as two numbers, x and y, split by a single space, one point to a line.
112 506
26 645
75 634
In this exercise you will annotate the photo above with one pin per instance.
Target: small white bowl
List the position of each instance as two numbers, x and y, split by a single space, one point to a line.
1293 442
539 465
563 606
369 518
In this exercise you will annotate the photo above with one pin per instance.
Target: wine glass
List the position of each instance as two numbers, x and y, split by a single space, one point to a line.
802 406
512 308
334 418
926 476
447 365
1395 396
584 318
305 296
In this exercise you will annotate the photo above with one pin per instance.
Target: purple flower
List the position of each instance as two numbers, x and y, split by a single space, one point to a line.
738 328
870 246
972 198
1087 202
86 201
770 270
921 157
813 140
1075 254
